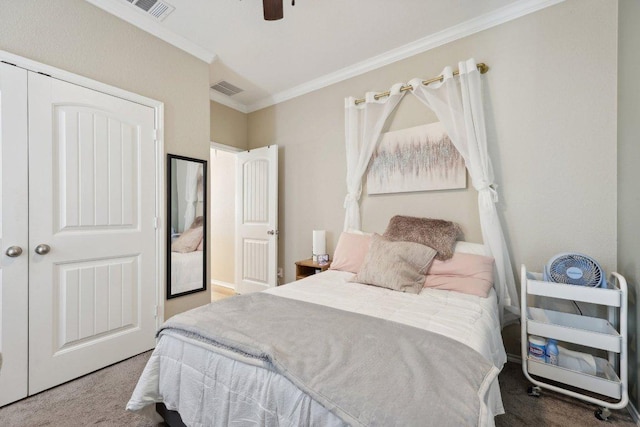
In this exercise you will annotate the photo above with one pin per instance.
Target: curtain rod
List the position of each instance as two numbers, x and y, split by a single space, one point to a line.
482 67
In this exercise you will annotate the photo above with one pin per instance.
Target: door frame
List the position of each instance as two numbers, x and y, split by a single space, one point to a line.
213 145
158 108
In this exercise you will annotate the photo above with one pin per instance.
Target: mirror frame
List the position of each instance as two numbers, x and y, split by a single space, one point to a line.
205 196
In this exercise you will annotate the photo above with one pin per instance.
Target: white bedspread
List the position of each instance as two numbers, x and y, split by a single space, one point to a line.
210 389
466 318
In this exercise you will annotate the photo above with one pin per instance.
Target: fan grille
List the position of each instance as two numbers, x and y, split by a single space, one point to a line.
575 269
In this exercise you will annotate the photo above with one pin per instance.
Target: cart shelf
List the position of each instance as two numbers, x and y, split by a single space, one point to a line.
603 296
584 330
606 382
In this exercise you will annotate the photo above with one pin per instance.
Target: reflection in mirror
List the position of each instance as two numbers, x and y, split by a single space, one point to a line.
187 231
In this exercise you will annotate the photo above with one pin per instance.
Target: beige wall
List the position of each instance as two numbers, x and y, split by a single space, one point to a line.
629 176
75 36
223 216
228 126
550 100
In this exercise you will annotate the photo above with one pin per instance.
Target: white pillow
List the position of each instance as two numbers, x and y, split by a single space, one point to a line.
363 233
470 248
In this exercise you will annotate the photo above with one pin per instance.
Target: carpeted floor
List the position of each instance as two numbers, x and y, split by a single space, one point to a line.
99 399
550 409
95 399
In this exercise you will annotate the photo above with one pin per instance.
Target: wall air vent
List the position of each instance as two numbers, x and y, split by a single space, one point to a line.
226 88
156 8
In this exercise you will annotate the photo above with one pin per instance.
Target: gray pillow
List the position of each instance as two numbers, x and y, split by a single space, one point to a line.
401 266
439 234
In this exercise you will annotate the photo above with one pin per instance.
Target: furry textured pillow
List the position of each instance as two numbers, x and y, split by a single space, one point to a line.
466 273
350 252
400 266
439 234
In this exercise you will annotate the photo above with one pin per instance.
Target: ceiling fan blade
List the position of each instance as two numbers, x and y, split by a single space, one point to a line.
273 9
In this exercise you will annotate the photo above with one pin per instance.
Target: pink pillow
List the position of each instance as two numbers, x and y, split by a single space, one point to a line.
466 273
188 240
350 252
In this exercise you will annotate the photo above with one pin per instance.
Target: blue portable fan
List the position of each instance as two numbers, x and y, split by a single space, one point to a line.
574 269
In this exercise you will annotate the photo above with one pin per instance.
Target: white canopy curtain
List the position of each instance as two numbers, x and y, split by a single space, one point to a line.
191 193
458 106
363 125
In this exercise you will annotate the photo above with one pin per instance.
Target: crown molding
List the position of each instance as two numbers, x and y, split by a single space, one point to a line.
228 101
465 29
500 16
128 13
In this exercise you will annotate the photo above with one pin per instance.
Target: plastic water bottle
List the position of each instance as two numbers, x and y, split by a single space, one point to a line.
552 352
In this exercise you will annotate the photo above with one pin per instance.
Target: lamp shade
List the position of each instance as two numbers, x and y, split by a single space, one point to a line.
319 242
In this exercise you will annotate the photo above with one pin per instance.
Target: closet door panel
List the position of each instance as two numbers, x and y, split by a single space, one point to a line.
13 233
92 201
97 170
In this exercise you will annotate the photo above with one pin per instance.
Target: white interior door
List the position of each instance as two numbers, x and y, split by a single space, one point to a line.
92 288
13 233
257 219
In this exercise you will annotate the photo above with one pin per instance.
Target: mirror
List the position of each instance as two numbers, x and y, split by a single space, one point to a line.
187 228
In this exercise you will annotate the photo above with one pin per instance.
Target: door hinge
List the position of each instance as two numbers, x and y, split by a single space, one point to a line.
156 312
156 222
156 135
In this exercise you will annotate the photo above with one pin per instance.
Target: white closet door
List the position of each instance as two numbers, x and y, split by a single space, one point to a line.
92 295
13 233
257 219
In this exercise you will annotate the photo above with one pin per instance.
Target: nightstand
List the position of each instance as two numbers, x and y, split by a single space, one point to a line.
307 267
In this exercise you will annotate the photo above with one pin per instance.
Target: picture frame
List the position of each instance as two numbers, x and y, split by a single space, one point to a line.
420 158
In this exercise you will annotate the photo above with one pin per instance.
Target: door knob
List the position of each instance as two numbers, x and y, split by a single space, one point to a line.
272 232
14 251
42 249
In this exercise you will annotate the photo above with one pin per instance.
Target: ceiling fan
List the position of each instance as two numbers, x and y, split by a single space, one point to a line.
273 9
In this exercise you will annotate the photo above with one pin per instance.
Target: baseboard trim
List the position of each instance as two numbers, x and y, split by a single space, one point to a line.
215 282
515 358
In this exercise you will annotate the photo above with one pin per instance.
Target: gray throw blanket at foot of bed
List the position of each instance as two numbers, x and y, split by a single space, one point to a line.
366 370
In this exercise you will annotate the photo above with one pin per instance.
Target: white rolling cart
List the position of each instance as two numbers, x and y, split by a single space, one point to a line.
608 334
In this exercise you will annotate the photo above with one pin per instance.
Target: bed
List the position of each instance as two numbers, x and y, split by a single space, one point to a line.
208 382
186 271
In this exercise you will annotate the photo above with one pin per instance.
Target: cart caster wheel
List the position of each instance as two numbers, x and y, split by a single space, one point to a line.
602 414
534 391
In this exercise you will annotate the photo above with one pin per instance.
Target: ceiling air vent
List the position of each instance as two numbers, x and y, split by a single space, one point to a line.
156 8
226 88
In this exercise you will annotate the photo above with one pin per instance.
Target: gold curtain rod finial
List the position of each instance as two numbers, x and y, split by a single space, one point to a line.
483 68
